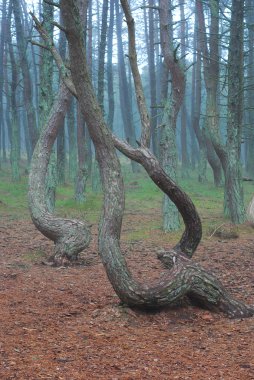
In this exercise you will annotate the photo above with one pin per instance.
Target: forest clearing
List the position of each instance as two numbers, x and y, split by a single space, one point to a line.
126 189
67 322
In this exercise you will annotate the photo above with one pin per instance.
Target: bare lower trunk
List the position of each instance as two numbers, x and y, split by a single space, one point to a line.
70 236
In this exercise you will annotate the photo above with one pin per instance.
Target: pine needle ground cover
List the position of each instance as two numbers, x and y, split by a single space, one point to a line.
67 323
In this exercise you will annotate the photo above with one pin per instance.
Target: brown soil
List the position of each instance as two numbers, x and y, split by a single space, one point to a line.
67 323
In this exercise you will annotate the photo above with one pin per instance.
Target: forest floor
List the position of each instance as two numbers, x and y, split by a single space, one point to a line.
67 323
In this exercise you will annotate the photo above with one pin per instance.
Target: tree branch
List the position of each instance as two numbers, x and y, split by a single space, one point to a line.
145 120
49 45
52 3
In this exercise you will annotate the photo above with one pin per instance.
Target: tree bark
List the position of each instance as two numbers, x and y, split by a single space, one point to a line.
28 96
82 159
2 43
184 150
211 77
168 151
234 186
14 126
69 236
110 76
125 102
102 51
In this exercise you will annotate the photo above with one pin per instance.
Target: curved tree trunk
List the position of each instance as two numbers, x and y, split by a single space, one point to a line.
184 277
70 236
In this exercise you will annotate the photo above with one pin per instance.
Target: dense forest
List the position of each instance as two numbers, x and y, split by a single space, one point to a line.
96 91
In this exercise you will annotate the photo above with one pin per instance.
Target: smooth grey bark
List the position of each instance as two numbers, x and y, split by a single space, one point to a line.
184 277
69 236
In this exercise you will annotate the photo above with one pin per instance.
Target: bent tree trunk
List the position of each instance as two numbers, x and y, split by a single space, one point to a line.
184 277
70 236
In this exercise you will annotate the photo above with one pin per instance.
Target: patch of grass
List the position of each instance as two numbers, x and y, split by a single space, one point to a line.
13 196
34 256
143 198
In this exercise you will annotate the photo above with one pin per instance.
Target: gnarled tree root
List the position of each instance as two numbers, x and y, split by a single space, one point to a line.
70 236
202 287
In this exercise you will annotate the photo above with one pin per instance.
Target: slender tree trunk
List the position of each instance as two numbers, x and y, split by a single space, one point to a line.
184 151
28 96
168 151
2 40
71 123
125 101
211 76
102 51
249 131
110 77
14 136
61 149
46 102
82 159
152 78
234 188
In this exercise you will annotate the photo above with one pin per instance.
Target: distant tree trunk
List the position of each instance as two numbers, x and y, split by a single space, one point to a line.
2 40
211 76
250 93
184 151
152 78
125 101
184 277
82 159
61 149
34 53
14 136
230 154
110 77
196 106
71 123
89 49
168 149
234 187
70 236
102 51
27 90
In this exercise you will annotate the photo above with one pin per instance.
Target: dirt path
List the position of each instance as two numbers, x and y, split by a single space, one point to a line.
66 323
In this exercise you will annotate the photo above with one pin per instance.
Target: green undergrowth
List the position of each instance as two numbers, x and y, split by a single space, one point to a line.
143 203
